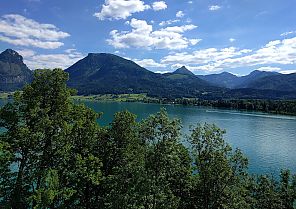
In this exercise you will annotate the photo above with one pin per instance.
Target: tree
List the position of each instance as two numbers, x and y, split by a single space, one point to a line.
53 154
167 163
44 132
219 172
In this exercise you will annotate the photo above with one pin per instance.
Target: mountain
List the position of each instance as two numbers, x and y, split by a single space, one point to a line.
223 79
231 81
252 77
184 78
183 71
14 74
101 73
278 82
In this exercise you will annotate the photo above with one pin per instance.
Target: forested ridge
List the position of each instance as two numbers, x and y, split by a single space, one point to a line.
54 154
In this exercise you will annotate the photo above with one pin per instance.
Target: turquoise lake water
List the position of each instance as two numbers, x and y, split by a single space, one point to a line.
269 141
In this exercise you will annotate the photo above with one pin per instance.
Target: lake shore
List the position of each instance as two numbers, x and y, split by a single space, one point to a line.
280 107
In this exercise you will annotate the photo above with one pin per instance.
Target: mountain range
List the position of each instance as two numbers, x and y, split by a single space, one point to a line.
107 73
231 81
101 73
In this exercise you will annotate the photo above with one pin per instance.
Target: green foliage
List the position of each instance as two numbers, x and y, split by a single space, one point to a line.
53 154
220 172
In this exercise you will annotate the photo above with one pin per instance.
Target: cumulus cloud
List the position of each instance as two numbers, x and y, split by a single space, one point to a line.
149 63
277 52
39 61
142 35
180 14
214 7
203 56
21 31
120 9
159 5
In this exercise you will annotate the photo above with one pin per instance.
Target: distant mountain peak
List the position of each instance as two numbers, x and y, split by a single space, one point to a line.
183 71
262 73
10 51
14 74
226 73
11 56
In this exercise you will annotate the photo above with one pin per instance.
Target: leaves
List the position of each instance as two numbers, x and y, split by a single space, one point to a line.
53 154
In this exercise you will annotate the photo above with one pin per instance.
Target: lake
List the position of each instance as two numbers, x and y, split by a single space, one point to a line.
269 141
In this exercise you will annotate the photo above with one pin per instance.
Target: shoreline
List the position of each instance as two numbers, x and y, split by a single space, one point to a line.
194 102
275 107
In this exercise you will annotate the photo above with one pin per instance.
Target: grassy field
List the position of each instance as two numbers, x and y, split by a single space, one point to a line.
116 98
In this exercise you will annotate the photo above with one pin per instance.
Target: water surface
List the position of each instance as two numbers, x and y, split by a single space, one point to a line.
268 140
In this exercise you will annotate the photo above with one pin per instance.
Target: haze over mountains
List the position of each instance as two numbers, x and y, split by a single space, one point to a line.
101 73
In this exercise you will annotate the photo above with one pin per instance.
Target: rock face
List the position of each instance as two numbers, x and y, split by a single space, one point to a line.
14 74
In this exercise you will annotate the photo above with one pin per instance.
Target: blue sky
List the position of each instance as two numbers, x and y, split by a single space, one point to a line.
207 36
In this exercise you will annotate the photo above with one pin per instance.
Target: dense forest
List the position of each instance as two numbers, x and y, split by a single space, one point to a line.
284 107
54 154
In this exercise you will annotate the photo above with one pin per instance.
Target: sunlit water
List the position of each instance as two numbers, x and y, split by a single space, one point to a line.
269 141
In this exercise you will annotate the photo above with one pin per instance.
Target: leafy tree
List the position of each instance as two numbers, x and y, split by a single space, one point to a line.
43 127
53 154
219 172
167 163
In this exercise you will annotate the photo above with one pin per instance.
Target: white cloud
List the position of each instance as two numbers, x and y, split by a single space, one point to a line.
143 36
288 33
269 69
162 72
276 69
120 9
18 30
278 52
149 63
288 71
168 22
40 61
32 42
232 40
26 52
180 14
214 7
190 2
159 5
273 43
203 56
195 41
